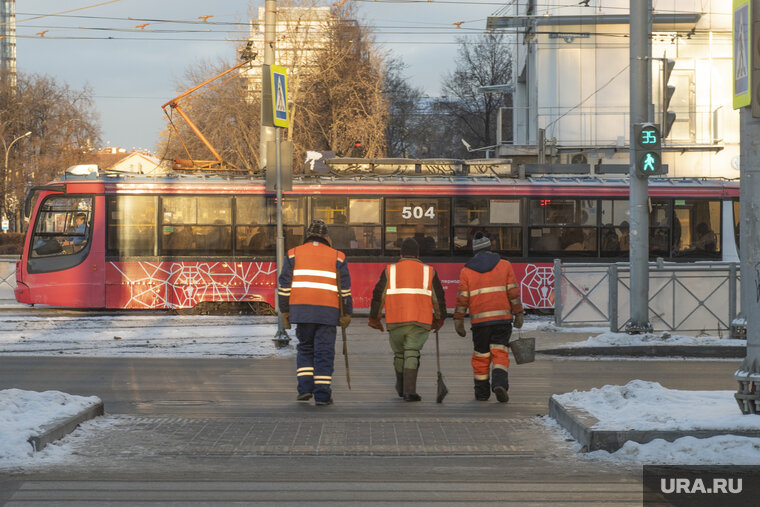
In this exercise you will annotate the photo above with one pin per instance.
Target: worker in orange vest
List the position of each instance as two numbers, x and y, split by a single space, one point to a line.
487 286
414 304
313 277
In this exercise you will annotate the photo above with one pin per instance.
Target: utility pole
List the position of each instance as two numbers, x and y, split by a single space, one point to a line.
640 85
747 100
270 39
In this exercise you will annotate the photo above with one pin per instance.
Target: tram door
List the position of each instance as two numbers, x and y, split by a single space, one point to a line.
65 259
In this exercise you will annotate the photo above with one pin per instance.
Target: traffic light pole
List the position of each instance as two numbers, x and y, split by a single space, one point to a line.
748 374
270 36
639 191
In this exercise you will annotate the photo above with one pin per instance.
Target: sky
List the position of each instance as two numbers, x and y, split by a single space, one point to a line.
133 71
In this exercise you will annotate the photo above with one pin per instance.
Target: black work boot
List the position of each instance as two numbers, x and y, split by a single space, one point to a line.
400 383
500 382
482 390
410 385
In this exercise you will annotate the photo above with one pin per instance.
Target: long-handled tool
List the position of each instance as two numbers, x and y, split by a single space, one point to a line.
345 356
343 332
442 390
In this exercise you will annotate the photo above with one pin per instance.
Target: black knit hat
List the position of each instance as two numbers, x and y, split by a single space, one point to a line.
318 229
410 248
480 242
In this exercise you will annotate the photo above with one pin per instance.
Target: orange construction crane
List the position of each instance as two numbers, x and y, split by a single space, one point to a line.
247 56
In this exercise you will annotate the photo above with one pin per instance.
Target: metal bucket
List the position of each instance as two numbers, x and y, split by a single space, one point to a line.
524 350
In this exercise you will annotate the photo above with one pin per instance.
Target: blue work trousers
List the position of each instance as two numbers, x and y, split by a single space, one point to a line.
316 355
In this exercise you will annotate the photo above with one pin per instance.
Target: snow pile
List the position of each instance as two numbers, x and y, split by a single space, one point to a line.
24 414
610 339
641 405
550 327
718 450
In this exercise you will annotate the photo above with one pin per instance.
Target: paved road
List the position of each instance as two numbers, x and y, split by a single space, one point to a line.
229 430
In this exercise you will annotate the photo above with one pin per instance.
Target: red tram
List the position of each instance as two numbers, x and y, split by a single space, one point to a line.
176 242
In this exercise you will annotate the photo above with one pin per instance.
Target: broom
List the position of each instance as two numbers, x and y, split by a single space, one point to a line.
442 390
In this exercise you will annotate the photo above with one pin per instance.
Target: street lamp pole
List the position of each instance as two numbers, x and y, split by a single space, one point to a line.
5 173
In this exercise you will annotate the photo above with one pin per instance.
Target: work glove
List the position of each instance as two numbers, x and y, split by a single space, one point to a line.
519 320
437 324
285 320
459 327
376 323
344 321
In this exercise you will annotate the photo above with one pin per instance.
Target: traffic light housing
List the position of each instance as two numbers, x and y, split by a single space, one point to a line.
647 145
668 117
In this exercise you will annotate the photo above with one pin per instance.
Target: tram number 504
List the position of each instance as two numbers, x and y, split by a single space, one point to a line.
408 212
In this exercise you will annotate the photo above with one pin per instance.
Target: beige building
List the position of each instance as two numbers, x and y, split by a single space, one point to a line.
300 36
572 83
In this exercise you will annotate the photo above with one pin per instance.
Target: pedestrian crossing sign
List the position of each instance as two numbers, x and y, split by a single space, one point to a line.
742 53
279 80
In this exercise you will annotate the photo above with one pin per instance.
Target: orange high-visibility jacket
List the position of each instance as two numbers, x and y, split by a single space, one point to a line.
487 285
309 284
411 293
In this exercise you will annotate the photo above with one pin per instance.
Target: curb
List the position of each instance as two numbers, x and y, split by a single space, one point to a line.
579 423
62 427
721 352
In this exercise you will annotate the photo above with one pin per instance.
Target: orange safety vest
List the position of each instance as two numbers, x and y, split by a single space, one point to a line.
409 293
491 296
315 280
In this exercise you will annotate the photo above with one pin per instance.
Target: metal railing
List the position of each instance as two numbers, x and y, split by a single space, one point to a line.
694 297
7 277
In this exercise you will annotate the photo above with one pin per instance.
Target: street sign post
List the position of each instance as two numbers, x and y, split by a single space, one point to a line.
6 224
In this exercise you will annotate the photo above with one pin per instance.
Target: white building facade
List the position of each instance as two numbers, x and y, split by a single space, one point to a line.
572 83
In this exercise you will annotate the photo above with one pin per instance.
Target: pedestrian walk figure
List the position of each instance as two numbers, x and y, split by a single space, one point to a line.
314 275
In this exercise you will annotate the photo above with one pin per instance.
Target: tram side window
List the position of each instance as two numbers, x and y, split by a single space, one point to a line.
253 233
659 228
196 225
256 224
696 228
562 226
737 221
131 225
615 231
352 224
63 226
500 219
421 218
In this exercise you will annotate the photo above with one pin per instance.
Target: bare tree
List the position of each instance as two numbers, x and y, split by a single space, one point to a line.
406 110
335 86
342 101
482 61
64 128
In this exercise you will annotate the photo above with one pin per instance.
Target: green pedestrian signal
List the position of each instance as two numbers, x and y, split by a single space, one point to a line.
647 148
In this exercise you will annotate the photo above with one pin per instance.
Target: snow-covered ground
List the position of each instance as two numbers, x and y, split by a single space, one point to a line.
609 339
149 335
641 405
24 413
